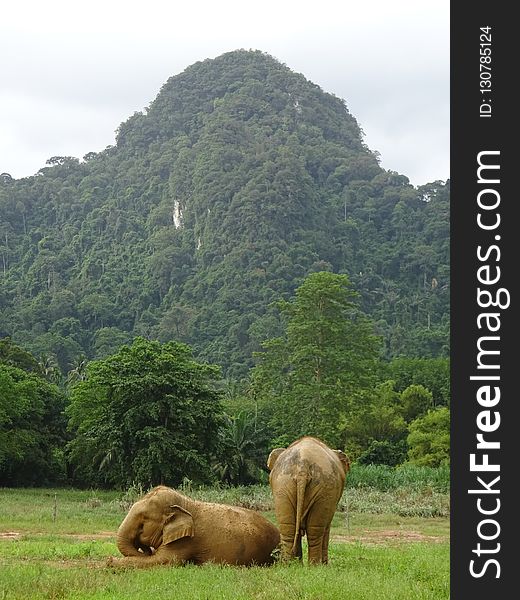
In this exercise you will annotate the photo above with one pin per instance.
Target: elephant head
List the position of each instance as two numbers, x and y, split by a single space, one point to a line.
153 521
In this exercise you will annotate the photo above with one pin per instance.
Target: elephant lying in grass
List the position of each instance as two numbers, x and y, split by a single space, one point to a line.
307 480
166 527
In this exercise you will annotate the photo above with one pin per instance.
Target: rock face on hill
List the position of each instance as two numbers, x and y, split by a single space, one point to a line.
239 179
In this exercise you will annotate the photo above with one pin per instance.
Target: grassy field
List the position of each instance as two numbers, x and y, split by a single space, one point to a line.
386 543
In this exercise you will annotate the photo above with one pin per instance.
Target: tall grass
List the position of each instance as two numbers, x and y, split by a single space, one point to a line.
404 491
411 477
407 491
399 501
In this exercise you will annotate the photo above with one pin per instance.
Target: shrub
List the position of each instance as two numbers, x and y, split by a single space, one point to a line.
429 439
384 452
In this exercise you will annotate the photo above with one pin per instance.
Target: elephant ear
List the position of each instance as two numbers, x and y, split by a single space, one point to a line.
178 524
273 457
345 461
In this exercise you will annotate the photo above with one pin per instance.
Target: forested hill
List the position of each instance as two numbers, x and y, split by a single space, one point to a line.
239 179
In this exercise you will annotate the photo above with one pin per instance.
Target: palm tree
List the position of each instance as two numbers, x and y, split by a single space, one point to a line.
242 449
49 368
78 371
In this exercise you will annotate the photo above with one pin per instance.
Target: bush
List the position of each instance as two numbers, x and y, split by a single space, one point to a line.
416 400
429 439
384 452
32 429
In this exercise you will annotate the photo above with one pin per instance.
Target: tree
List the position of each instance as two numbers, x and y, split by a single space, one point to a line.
108 340
32 429
240 179
242 450
313 374
11 354
416 400
384 452
148 414
375 429
429 439
96 309
431 373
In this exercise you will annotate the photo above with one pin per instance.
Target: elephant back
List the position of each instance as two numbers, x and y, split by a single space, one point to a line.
309 469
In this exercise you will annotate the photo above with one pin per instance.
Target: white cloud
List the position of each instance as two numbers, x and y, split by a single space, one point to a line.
73 72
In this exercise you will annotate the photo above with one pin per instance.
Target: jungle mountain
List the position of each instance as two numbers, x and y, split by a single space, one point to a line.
239 179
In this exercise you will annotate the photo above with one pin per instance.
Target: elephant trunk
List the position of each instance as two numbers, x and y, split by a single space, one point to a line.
127 539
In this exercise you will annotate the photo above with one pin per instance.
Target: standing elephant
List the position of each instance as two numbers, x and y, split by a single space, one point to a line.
307 480
166 527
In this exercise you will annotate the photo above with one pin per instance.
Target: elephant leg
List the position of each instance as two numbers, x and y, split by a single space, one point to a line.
318 532
315 538
287 540
325 546
134 561
159 558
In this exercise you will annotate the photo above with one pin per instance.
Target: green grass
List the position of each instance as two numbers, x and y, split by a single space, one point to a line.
407 490
76 511
415 572
373 555
400 501
411 477
80 511
56 548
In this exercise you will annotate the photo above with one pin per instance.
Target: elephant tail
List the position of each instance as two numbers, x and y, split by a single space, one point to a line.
301 485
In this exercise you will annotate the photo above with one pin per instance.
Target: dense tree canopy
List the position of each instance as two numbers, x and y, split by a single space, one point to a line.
240 214
148 414
240 179
312 375
32 423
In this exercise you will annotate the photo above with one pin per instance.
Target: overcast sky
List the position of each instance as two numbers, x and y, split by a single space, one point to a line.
72 71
